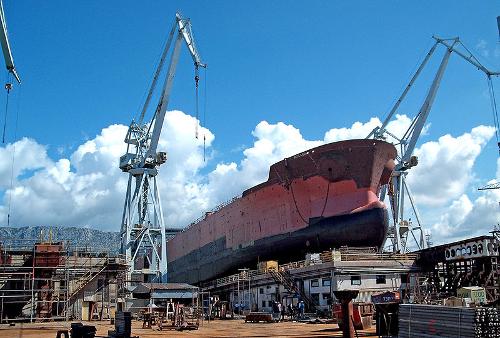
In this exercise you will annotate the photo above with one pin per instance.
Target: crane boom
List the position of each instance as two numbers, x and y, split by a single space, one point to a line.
185 33
425 109
162 106
4 41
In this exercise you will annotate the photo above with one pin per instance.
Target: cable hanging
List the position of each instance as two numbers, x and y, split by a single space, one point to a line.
13 157
205 114
8 87
196 80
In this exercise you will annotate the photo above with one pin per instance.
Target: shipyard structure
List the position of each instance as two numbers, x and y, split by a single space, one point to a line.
44 280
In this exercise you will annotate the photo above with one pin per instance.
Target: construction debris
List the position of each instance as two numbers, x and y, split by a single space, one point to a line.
255 317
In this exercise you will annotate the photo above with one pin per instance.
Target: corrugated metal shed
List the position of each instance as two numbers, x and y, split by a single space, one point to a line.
167 290
173 295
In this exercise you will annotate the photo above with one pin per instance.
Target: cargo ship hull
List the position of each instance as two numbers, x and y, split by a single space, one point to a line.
320 199
366 228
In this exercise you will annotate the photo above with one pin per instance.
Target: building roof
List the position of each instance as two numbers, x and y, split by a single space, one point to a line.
472 288
150 287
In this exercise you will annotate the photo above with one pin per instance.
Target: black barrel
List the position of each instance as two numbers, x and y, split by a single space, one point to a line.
123 324
78 330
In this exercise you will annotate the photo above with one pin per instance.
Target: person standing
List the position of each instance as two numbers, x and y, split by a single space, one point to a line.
301 309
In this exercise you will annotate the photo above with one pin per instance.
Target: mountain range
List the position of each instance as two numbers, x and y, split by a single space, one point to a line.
73 237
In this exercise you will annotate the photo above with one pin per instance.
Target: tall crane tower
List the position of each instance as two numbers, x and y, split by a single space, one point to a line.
398 189
143 233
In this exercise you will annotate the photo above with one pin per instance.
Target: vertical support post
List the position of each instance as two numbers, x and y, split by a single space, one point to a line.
249 293
396 180
332 277
163 262
345 298
239 300
401 205
33 285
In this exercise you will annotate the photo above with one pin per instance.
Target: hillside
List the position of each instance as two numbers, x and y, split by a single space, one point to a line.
95 239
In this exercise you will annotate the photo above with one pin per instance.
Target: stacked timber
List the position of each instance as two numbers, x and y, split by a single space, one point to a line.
417 320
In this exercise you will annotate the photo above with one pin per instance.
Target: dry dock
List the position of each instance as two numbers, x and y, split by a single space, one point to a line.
217 328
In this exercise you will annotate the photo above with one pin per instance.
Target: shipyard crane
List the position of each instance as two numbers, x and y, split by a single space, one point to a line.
7 54
9 63
143 232
398 189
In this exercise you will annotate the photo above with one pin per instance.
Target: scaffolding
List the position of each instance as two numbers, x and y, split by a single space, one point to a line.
51 281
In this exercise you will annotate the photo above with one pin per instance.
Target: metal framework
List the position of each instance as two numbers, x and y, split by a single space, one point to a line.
4 41
42 281
398 189
490 186
143 227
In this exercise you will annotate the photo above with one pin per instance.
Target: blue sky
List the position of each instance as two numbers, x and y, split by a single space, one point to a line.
315 65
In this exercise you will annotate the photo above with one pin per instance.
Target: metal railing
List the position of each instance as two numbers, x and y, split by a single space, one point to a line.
346 254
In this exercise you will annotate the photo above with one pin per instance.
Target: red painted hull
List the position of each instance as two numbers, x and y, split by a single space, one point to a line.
328 189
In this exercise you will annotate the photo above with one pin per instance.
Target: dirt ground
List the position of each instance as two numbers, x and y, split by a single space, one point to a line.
217 328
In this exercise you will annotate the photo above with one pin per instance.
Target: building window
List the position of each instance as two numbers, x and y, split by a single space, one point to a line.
314 283
261 291
326 282
356 280
380 279
315 297
263 303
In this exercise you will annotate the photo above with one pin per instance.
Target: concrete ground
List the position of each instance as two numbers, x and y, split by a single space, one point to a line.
217 328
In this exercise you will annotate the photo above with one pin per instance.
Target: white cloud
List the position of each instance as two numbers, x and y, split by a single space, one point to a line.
468 218
357 130
87 188
454 215
445 166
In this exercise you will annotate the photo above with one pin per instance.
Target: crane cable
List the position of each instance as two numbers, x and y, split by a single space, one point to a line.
205 113
494 110
8 87
196 80
13 155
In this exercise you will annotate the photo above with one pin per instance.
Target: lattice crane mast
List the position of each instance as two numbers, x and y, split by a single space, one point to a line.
397 188
143 227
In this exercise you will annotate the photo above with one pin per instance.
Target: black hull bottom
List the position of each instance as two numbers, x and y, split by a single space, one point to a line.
362 229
